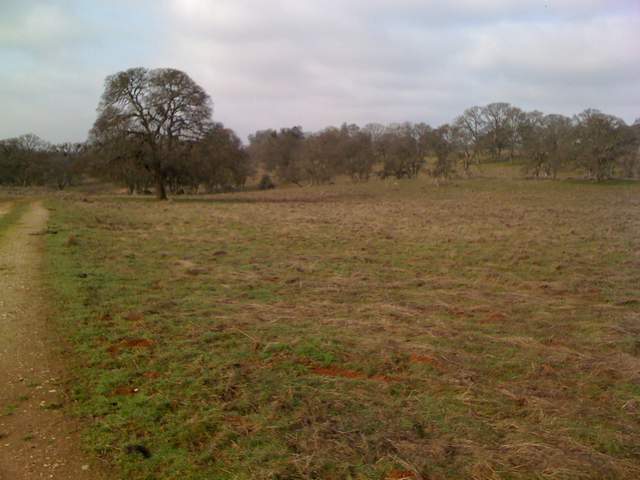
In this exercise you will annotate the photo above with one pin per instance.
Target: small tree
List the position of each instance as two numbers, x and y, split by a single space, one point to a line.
220 161
319 156
279 152
356 150
266 183
471 131
63 164
496 118
403 148
546 143
630 162
442 142
600 141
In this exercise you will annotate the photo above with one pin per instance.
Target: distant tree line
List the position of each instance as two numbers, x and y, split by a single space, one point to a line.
154 130
600 145
28 161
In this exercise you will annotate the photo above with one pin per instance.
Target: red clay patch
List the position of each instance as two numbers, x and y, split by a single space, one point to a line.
400 475
547 370
134 316
151 374
125 391
138 343
113 349
426 360
382 378
496 317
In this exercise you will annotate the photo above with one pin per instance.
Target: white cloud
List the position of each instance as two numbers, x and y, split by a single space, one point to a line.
287 62
320 62
54 57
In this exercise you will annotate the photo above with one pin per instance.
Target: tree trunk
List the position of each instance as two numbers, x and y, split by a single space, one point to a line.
161 192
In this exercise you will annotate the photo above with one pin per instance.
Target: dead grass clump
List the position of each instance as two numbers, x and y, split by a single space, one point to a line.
196 271
72 241
129 344
134 316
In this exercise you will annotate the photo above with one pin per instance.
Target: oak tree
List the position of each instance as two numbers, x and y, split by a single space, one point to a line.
160 108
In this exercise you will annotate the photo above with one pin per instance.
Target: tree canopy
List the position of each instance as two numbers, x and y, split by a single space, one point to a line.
156 110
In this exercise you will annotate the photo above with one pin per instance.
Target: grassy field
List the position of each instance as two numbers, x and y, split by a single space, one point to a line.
483 329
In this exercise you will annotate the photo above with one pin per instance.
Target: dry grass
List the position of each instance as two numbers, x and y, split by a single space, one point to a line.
4 207
483 329
10 212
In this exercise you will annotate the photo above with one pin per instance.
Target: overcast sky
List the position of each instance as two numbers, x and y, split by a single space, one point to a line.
320 62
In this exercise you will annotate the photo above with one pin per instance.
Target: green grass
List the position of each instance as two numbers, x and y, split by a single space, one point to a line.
8 410
482 329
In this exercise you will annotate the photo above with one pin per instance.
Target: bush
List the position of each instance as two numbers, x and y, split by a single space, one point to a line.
266 183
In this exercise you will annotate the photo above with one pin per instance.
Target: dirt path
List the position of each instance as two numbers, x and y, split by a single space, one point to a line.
37 440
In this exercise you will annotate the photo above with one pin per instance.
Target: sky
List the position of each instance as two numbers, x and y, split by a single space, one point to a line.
278 63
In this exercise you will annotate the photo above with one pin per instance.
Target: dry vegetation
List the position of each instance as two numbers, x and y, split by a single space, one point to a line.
10 211
484 329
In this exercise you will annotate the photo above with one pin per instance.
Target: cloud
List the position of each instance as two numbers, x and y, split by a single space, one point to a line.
38 29
315 63
287 62
54 57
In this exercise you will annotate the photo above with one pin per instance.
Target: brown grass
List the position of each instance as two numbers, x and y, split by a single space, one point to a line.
483 329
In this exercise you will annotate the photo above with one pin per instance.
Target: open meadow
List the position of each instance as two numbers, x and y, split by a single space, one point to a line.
320 240
487 328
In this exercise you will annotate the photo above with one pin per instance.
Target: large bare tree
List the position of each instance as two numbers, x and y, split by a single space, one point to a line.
469 130
162 107
496 118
